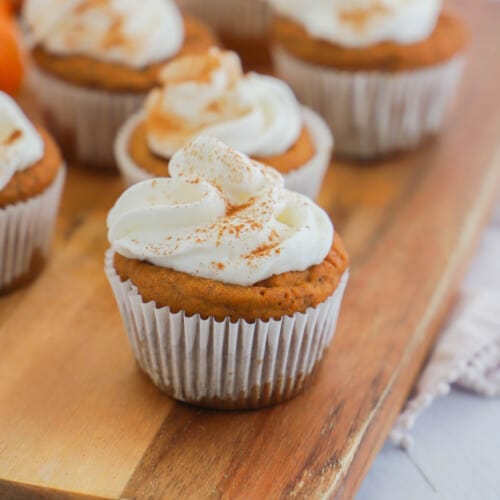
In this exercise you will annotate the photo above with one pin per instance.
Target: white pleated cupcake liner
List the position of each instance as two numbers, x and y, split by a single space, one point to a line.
306 179
131 173
84 120
372 112
225 364
27 228
238 18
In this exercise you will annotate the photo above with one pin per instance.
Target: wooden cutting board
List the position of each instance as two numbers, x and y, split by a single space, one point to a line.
77 417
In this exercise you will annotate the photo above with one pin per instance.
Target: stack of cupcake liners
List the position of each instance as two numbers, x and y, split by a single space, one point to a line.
26 230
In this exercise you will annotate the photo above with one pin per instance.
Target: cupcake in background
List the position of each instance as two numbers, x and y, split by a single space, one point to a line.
229 285
382 72
31 181
208 94
243 25
94 62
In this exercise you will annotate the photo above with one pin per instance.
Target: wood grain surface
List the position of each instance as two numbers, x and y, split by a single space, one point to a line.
77 417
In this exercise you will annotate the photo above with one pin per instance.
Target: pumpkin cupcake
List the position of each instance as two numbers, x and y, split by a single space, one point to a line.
229 285
94 62
243 25
382 72
208 94
31 180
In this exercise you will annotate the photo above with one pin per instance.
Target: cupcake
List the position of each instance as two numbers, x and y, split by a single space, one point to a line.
243 25
94 63
31 180
229 285
382 72
208 94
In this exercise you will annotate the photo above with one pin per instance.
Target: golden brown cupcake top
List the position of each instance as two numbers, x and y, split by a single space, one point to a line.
281 295
140 153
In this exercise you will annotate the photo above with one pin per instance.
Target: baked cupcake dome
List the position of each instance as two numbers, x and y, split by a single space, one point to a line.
383 74
31 180
229 285
95 62
208 94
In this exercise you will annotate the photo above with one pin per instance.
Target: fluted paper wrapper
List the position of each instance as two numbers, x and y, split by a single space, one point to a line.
26 231
374 113
238 18
309 178
306 179
224 364
85 121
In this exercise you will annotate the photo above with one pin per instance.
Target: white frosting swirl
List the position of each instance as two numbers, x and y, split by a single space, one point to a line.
361 23
207 94
20 144
126 32
220 216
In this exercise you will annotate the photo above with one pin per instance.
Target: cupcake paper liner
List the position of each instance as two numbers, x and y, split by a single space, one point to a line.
373 113
306 179
309 178
26 229
237 18
225 364
85 121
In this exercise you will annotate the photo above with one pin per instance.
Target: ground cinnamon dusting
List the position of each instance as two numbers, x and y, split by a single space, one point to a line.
13 137
360 17
115 37
234 209
262 251
87 5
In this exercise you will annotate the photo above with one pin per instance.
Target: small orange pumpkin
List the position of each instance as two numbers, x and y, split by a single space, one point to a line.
11 61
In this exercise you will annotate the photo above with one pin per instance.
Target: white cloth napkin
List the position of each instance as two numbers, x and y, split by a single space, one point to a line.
467 354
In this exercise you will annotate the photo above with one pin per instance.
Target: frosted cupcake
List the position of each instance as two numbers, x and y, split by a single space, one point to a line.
31 180
243 25
208 94
229 285
382 72
94 62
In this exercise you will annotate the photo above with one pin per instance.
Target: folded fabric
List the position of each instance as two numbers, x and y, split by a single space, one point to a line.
467 354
